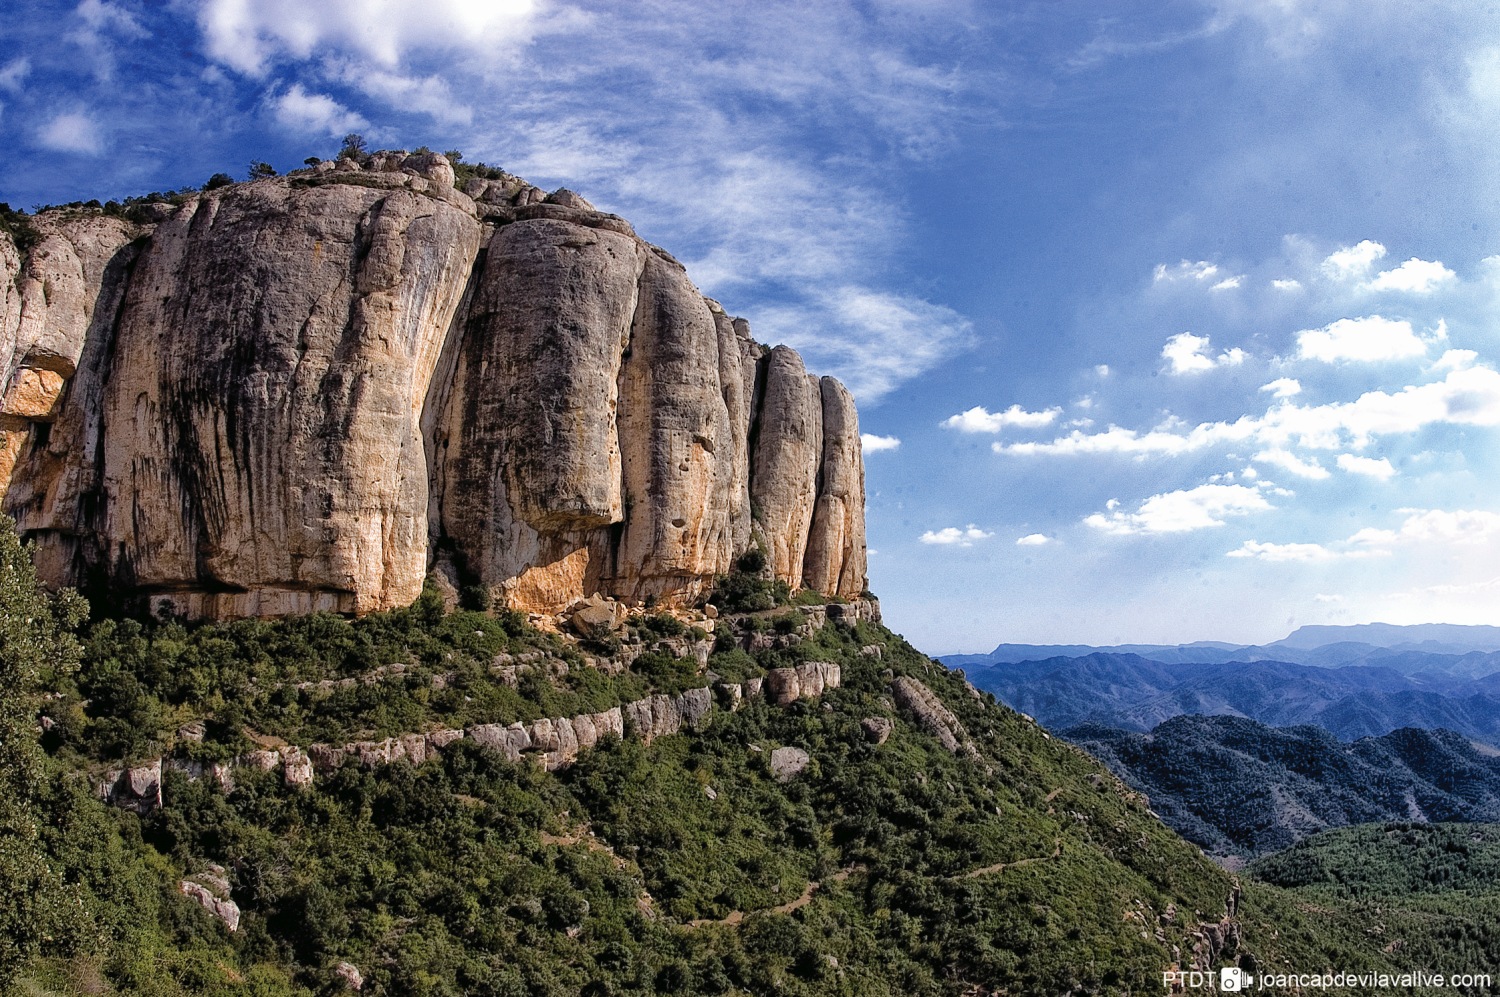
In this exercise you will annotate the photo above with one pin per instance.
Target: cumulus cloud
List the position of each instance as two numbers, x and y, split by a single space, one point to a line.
1033 540
1185 270
1352 262
71 132
1283 387
1455 359
952 536
1286 284
1186 353
1414 276
1228 283
315 113
1370 339
429 95
1288 461
1370 467
875 444
980 420
1466 397
1182 511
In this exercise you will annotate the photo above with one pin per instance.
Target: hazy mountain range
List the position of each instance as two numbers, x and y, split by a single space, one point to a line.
1240 788
1352 681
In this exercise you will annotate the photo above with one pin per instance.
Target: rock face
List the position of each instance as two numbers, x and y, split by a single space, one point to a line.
932 715
306 392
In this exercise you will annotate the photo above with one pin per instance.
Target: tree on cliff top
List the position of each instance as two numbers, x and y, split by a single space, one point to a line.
36 636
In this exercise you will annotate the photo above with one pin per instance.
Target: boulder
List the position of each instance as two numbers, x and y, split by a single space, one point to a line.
877 729
788 763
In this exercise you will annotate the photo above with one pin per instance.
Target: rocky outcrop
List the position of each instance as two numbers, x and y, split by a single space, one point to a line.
137 789
804 681
214 898
932 715
307 392
553 743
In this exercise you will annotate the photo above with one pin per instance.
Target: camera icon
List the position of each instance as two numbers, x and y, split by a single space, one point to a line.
1233 979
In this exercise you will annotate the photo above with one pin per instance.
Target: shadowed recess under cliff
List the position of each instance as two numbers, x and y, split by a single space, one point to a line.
306 392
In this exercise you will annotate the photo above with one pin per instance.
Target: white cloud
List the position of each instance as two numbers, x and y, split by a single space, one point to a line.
1228 283
1327 598
248 36
429 95
1370 339
13 73
1181 511
1282 552
1283 387
873 340
71 132
1186 353
1370 467
980 420
1184 270
1422 529
1287 284
952 536
315 113
1288 461
1352 261
1455 360
1101 370
1033 540
875 444
1434 526
1467 397
1414 276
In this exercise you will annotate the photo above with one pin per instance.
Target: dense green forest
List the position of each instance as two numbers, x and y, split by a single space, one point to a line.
1015 864
1239 788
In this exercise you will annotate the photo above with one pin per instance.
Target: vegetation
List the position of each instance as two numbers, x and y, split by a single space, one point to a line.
1429 891
1240 788
679 867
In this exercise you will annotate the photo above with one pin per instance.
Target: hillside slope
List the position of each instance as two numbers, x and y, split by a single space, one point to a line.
932 842
1239 788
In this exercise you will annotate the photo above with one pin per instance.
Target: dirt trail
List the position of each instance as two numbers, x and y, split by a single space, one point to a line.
1000 866
736 916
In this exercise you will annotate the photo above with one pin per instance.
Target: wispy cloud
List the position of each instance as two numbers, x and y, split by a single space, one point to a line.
1465 397
1422 528
73 131
1184 270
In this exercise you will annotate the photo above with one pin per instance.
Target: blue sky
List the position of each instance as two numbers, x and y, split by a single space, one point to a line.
1184 314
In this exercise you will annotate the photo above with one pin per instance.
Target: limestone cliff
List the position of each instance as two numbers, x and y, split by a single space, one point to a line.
307 392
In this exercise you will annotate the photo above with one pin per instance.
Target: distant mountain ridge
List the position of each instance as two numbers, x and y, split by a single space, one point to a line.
1132 692
1239 788
1467 650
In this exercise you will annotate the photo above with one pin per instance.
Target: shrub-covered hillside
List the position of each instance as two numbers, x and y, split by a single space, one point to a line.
932 842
